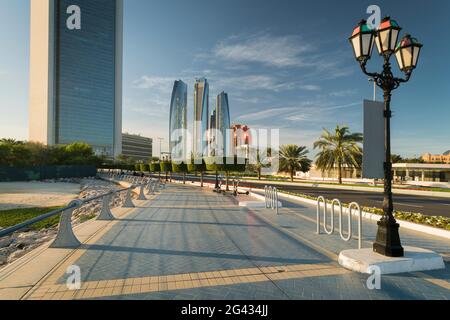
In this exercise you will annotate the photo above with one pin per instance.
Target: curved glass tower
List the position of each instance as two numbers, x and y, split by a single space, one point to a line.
178 120
223 122
201 116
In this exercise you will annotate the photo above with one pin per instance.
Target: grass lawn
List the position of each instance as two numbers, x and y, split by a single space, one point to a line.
9 218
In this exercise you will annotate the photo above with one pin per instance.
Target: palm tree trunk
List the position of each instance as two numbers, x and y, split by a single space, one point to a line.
227 189
184 177
259 173
292 175
217 180
340 172
201 179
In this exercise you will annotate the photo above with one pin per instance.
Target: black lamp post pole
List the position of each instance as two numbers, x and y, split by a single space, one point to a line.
388 239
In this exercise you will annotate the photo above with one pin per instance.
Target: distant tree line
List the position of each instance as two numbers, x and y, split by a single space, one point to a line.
399 159
337 149
29 154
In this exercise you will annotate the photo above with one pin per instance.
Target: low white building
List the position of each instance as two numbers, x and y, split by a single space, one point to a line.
434 175
419 172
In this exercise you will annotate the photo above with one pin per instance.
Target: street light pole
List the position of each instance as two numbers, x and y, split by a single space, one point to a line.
374 89
407 53
160 148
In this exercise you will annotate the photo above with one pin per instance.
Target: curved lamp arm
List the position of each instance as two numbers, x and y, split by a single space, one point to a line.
373 75
384 80
406 79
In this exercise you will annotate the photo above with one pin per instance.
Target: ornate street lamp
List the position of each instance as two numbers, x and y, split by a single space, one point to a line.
387 36
362 40
407 53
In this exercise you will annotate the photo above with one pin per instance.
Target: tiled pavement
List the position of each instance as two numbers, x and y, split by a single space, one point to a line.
194 244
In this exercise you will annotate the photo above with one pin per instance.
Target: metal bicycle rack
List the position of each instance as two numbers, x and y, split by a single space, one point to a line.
350 209
271 198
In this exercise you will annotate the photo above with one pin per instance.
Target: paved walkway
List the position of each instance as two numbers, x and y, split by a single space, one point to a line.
190 243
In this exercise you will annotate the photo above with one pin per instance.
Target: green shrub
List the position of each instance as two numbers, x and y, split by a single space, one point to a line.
224 164
193 167
144 167
179 168
166 166
155 167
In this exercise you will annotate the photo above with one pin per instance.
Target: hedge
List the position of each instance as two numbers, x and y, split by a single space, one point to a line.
179 167
166 166
213 164
196 167
155 167
11 174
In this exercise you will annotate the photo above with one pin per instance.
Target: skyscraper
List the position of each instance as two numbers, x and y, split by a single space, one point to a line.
212 134
76 73
178 120
223 124
201 115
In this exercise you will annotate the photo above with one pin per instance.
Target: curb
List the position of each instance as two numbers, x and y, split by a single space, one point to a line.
436 194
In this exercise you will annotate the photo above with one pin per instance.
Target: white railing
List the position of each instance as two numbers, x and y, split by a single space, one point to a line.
336 203
65 237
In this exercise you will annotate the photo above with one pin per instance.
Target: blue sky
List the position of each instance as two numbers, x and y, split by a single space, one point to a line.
285 64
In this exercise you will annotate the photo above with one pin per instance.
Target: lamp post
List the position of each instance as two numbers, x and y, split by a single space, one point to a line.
160 148
407 52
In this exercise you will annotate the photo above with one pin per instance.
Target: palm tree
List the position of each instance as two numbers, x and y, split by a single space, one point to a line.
293 158
339 149
260 161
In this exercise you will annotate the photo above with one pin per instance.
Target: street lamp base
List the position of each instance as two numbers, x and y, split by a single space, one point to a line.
388 240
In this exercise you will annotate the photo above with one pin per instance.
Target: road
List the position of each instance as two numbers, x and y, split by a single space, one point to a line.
432 206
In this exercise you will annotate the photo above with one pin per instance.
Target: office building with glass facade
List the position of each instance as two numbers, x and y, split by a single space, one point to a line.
223 124
201 117
76 74
212 134
137 147
178 121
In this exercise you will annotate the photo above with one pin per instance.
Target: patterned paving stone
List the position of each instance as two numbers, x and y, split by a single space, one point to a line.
187 232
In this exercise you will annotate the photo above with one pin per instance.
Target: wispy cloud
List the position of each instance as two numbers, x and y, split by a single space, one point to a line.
154 82
261 82
279 52
275 51
343 93
308 111
268 113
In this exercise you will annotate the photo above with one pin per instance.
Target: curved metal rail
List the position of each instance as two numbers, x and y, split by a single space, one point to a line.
271 198
65 237
336 203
